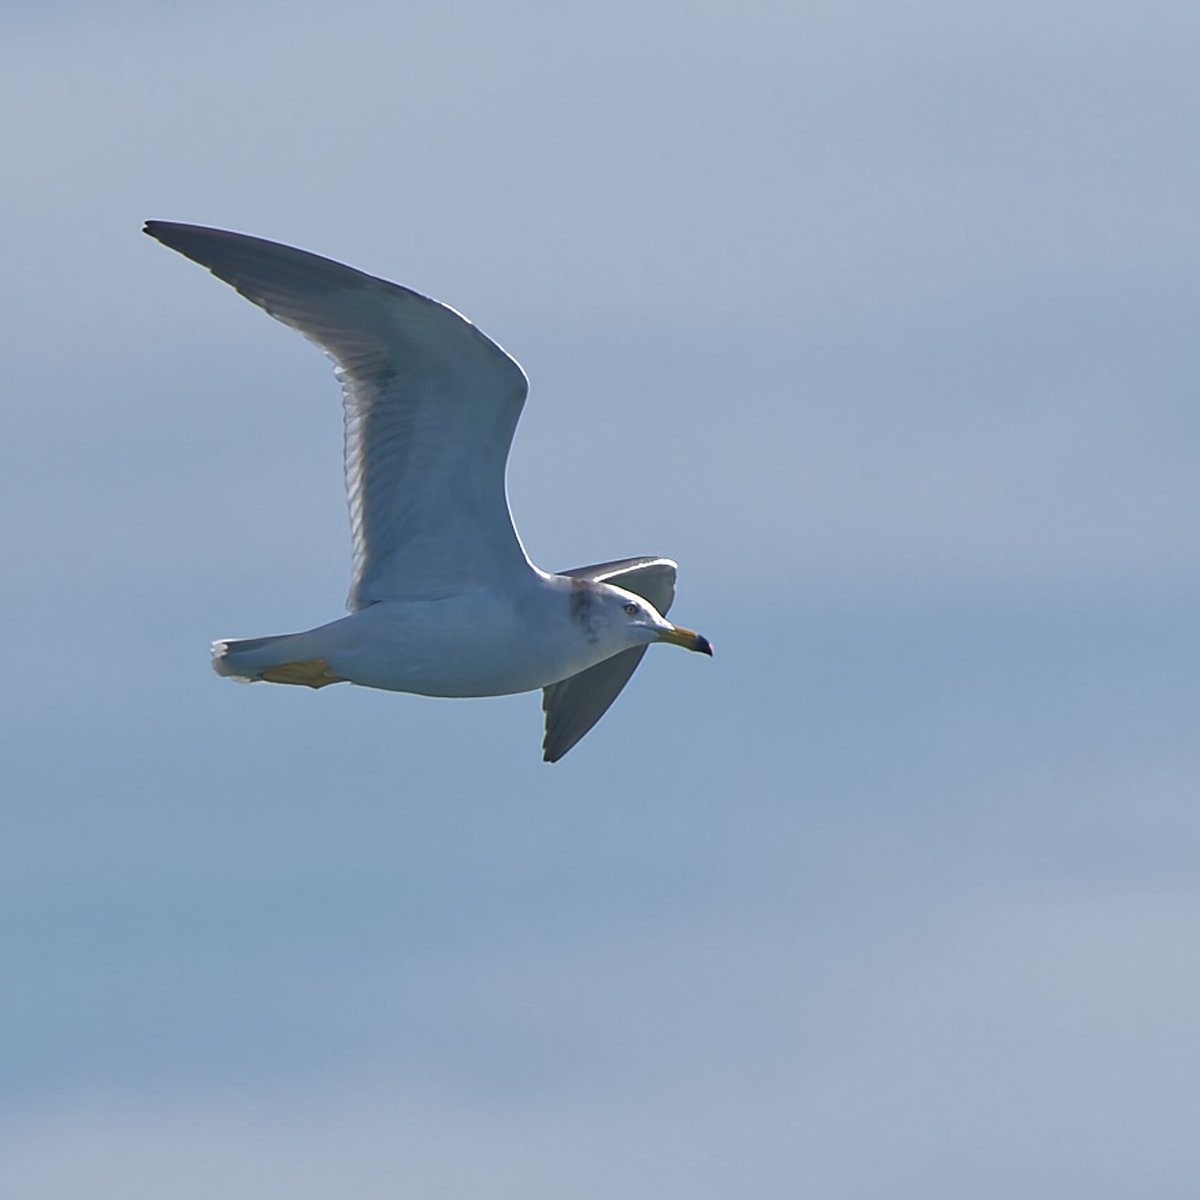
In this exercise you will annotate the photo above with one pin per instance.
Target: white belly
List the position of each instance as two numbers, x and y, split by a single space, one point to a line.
461 646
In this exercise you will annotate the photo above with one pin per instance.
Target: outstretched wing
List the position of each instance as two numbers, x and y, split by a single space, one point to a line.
430 405
574 705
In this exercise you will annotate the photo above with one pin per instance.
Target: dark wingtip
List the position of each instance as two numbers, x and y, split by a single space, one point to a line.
160 231
170 233
704 645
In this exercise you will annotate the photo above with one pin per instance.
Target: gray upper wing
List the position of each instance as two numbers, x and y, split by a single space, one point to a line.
431 405
574 705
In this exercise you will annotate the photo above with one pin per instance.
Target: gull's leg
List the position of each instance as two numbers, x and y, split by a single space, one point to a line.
314 673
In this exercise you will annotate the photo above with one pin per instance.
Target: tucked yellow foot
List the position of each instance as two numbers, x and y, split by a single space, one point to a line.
314 673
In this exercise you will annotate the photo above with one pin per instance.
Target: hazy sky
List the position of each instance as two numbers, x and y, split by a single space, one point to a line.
880 319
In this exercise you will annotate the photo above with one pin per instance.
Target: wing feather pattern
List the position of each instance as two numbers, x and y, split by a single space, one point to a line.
574 705
430 402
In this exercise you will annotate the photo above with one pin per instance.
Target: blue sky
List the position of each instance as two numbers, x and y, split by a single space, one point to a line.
880 320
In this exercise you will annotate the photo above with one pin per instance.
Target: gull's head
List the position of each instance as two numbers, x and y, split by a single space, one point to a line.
641 623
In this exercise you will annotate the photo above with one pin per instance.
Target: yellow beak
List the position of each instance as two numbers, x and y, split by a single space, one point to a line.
687 638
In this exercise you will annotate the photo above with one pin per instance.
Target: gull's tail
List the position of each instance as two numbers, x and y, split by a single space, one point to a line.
285 658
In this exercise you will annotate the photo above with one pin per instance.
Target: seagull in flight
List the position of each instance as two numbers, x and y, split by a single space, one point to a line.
443 600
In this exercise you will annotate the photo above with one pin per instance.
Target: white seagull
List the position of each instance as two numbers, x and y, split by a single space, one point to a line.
443 598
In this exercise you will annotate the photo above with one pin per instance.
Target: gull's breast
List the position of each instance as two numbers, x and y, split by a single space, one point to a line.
475 644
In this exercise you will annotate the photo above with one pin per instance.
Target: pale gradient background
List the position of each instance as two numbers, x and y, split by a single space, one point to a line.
881 319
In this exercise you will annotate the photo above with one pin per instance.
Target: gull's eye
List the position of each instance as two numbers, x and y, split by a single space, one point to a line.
631 609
